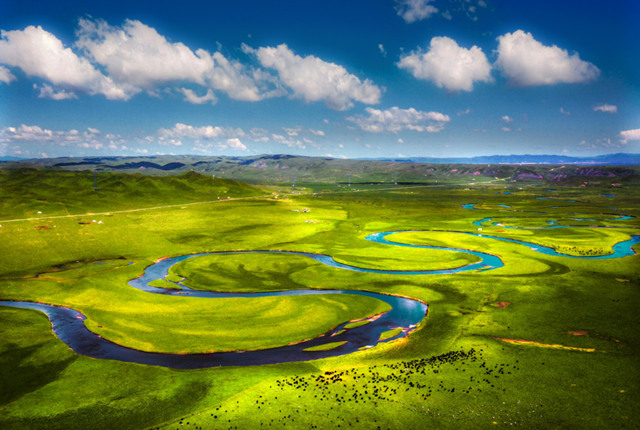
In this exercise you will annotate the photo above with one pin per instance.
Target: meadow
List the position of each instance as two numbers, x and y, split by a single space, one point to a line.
541 342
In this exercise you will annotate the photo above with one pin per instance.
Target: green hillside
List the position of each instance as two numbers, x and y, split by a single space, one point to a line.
49 192
282 169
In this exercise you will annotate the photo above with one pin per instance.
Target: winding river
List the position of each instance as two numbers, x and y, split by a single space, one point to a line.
406 313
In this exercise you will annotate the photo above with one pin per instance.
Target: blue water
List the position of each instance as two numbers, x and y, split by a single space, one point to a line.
553 224
406 314
68 325
620 249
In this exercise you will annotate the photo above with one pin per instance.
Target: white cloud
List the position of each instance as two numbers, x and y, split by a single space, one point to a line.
606 108
628 135
6 76
606 143
505 129
191 97
564 112
91 145
33 134
47 92
233 143
26 133
240 84
288 141
208 132
415 10
396 119
138 55
527 62
448 65
313 79
292 131
507 119
464 112
382 50
170 142
206 139
317 132
41 54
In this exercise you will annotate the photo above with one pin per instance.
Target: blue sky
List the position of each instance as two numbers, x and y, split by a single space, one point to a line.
383 78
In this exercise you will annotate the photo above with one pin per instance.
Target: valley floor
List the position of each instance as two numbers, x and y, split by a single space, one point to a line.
542 341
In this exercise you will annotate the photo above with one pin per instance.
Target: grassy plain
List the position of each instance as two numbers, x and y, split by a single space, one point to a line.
460 370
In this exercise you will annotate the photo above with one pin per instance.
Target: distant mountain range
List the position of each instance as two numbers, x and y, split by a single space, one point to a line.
8 158
282 168
620 159
608 159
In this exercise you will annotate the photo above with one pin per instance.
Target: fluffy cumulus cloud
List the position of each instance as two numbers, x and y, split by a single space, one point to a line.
140 56
527 62
47 92
191 97
415 10
205 138
210 138
122 61
628 135
28 135
606 108
448 65
233 143
207 132
395 120
39 53
6 76
313 79
292 137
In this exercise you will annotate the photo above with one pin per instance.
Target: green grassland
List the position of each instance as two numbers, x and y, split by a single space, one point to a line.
457 371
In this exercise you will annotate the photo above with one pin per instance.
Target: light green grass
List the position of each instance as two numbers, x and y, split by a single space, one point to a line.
229 324
390 333
356 324
47 386
326 347
161 283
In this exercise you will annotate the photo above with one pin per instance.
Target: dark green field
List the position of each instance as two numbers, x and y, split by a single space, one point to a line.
543 342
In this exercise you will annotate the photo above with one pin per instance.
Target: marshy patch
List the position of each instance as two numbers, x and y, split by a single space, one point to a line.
544 345
579 332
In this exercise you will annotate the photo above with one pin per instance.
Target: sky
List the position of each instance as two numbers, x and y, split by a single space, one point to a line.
344 79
